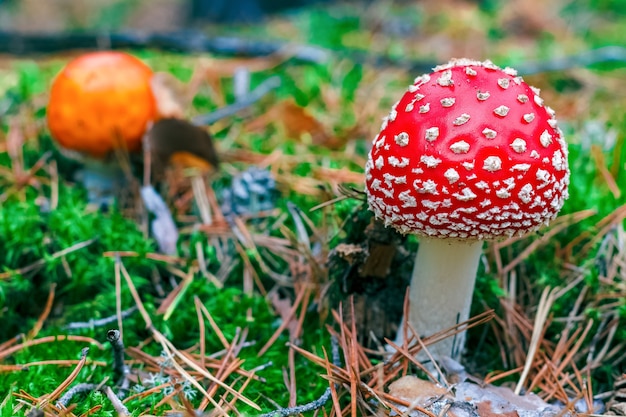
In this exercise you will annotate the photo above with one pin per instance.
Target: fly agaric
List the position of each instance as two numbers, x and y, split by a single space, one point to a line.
100 102
469 153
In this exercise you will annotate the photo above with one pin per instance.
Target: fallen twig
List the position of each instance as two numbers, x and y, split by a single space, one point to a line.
315 404
42 262
119 407
120 370
242 103
98 322
77 389
23 43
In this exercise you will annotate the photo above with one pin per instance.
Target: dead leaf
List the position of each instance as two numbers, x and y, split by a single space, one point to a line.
297 122
170 95
350 252
417 391
503 401
177 141
485 410
163 227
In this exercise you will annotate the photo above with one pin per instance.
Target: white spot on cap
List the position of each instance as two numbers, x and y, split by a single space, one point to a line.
445 80
466 194
448 101
389 178
486 202
402 139
430 187
504 83
526 193
552 123
425 108
470 71
558 162
468 165
430 161
492 164
534 154
519 145
535 90
501 110
545 139
482 96
380 162
452 175
460 147
387 192
432 133
543 175
395 162
538 101
490 65
461 120
407 199
413 88
509 182
522 98
511 71
489 133
433 205
422 79
503 193
529 117
409 107
520 167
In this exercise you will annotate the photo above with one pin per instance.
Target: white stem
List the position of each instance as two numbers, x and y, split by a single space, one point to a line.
101 179
441 290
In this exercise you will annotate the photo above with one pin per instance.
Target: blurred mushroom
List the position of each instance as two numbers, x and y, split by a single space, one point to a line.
100 103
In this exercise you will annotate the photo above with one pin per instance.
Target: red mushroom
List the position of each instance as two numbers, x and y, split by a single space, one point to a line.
469 153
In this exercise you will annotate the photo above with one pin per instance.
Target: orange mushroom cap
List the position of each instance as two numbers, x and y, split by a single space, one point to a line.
101 101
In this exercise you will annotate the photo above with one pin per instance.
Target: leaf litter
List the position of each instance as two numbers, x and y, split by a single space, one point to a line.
361 381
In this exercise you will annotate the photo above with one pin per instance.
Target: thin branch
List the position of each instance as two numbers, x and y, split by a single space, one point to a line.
119 407
99 322
120 370
78 389
21 43
315 404
244 102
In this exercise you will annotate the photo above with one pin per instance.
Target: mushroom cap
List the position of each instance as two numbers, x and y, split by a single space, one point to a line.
100 101
469 152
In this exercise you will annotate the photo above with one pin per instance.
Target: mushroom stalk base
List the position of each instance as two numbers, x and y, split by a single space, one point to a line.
102 180
441 290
